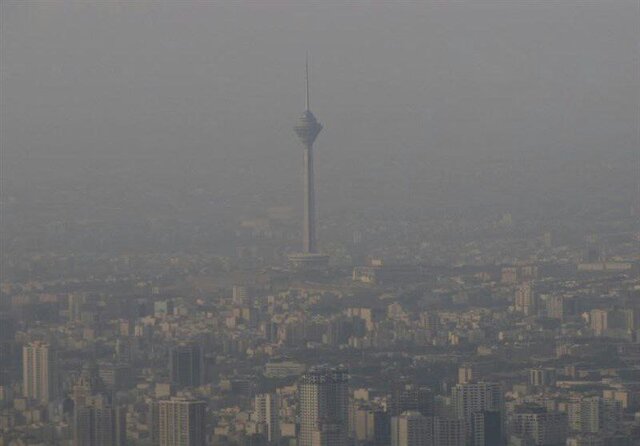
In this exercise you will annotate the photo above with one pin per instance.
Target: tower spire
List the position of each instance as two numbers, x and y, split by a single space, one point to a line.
306 65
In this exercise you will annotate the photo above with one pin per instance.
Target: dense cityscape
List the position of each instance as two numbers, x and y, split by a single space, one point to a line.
495 307
136 349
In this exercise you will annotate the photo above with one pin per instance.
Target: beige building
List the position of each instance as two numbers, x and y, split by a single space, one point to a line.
411 428
181 422
526 300
266 416
39 374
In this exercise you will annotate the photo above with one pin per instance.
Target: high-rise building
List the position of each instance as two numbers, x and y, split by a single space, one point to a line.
449 432
153 421
599 321
124 350
186 363
586 440
97 422
371 425
328 434
240 295
561 307
74 308
486 428
181 422
465 374
411 428
473 372
88 384
620 439
542 427
476 397
266 416
324 406
9 350
307 130
541 377
473 398
526 300
595 415
381 428
39 372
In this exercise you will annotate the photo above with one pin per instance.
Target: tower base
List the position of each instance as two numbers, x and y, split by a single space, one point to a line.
308 261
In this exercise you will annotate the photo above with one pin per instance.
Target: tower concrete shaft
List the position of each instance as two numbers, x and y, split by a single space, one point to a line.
309 230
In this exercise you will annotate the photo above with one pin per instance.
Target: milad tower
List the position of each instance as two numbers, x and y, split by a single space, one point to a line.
307 130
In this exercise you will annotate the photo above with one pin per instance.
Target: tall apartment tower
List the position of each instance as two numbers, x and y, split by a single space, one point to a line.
411 428
486 428
97 422
540 425
39 372
266 416
186 364
240 295
324 407
526 301
371 424
181 422
599 321
449 432
595 415
476 397
74 308
480 405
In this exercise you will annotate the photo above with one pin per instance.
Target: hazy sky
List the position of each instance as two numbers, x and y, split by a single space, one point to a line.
124 78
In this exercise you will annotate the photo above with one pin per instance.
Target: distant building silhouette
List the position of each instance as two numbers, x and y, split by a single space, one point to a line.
413 398
186 364
99 423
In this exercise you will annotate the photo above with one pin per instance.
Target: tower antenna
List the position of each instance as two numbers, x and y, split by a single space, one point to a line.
306 64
